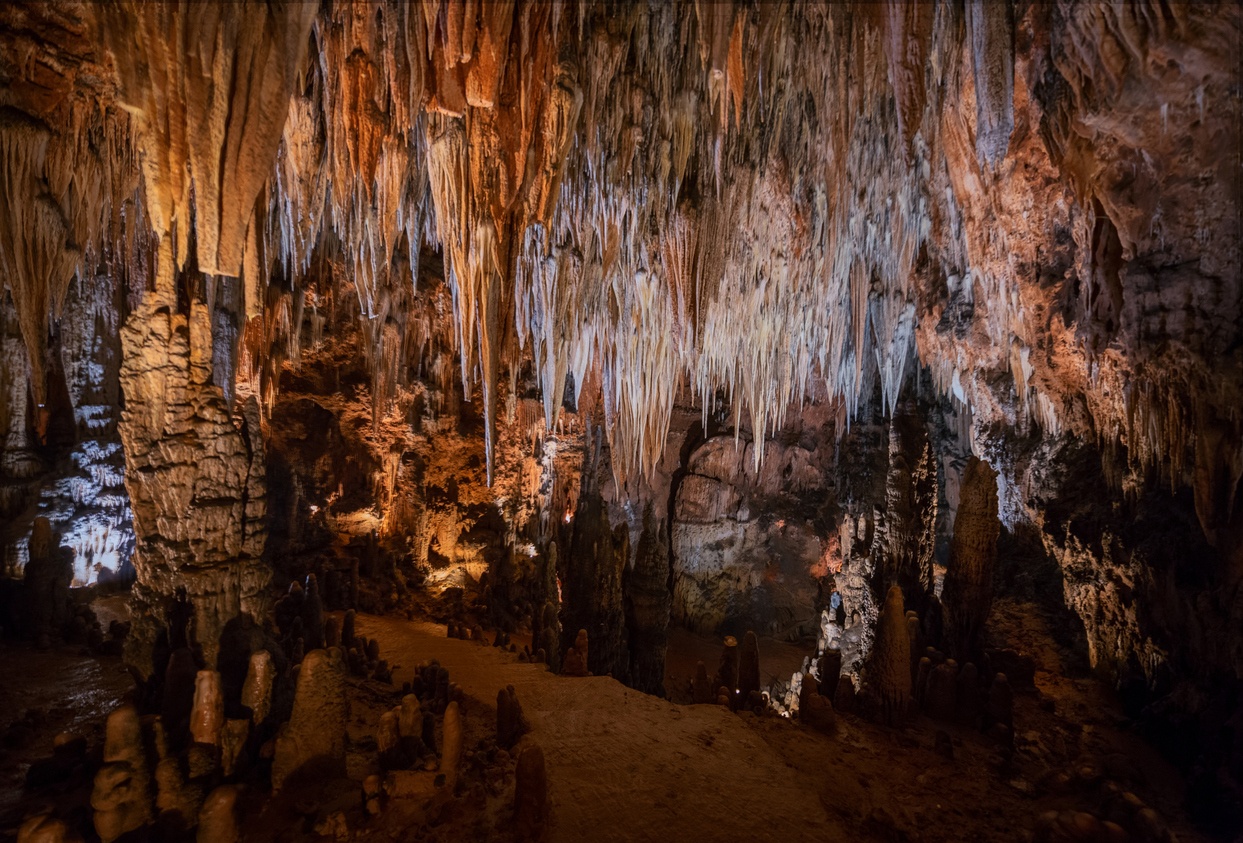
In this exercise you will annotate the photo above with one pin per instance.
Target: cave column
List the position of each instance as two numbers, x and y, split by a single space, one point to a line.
195 477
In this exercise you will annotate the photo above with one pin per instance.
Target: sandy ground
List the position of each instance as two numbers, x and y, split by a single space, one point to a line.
624 766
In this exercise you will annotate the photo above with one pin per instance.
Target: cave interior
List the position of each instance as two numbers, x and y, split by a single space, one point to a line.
514 420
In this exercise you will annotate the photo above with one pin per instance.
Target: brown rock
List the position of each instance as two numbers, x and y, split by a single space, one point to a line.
218 819
451 756
889 672
313 741
530 794
122 794
257 689
207 716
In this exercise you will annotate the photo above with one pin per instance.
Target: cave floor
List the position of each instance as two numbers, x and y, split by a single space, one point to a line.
625 766
44 693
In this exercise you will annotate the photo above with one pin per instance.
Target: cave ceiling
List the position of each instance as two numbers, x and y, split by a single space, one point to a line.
756 204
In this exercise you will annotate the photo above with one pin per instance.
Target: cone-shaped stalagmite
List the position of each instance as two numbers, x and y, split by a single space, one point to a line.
313 740
968 592
530 794
511 723
701 691
451 757
830 669
889 672
748 667
727 675
122 794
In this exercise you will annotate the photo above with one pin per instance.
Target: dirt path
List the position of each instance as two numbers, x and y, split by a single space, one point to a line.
624 766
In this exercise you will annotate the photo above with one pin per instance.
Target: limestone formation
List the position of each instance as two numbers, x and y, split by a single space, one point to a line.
257 689
218 819
727 673
121 797
48 573
313 741
451 754
207 715
177 800
702 688
348 635
830 668
46 828
749 666
530 794
1000 706
728 301
313 614
844 697
511 723
941 695
889 670
968 593
388 742
575 661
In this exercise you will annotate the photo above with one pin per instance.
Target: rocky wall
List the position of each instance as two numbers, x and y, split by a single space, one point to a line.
196 481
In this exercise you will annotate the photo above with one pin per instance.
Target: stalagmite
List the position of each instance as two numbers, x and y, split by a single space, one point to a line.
451 752
218 819
748 666
257 689
207 715
121 797
530 794
889 672
727 673
313 741
968 594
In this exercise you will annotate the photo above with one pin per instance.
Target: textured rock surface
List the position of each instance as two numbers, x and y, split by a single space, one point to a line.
195 479
1025 216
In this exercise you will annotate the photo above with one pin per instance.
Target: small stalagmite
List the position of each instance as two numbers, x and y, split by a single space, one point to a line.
177 800
388 741
1000 706
451 757
178 693
121 797
701 690
207 716
46 828
511 723
348 634
313 614
968 591
530 794
844 697
749 666
257 689
830 670
313 741
941 695
889 673
814 708
218 818
575 661
727 674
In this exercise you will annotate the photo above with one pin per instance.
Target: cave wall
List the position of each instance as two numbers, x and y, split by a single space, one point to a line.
1031 209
